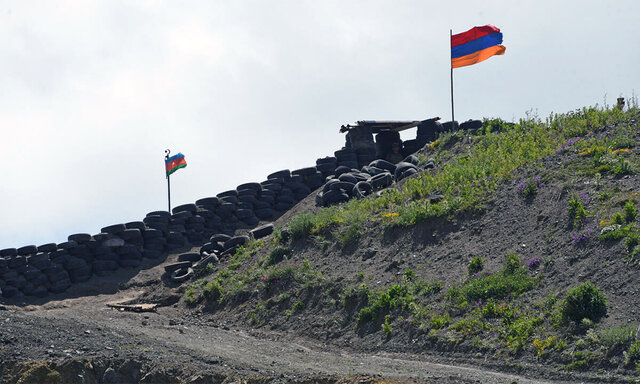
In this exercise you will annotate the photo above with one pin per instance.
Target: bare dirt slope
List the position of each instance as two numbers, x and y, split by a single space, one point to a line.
162 346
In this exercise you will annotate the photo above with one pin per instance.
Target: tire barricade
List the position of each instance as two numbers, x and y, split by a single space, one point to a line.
210 222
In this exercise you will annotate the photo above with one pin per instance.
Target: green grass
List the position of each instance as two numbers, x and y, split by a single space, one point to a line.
469 175
511 281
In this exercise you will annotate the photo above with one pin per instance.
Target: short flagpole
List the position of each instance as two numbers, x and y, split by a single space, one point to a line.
167 152
451 62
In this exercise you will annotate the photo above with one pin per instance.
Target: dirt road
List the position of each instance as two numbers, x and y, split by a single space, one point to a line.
82 329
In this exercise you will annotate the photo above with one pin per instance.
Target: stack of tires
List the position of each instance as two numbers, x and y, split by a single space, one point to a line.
347 157
384 141
427 132
471 125
327 166
379 174
361 140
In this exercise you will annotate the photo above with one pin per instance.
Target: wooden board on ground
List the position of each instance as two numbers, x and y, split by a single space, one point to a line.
134 307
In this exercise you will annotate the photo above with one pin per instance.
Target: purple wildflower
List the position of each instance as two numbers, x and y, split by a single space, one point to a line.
534 263
568 144
529 186
581 236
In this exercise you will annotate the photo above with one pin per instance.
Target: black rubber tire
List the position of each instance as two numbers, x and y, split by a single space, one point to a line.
130 234
254 186
113 229
175 266
181 275
219 238
362 189
80 237
265 213
159 213
231 192
348 177
305 171
211 259
412 160
8 252
450 126
343 185
244 214
373 171
185 208
50 247
326 169
401 167
27 250
262 231
408 172
381 181
334 197
383 164
360 176
208 201
327 186
235 241
327 160
284 174
341 169
471 125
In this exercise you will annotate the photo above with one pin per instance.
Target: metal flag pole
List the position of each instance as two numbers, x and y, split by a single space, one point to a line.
166 157
451 62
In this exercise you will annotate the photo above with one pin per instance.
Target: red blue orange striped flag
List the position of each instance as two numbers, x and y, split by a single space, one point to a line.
476 45
174 163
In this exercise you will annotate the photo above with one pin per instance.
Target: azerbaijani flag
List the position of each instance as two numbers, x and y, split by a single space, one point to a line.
476 45
174 163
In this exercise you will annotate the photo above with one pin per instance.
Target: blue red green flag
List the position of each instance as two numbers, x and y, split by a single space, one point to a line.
476 45
174 163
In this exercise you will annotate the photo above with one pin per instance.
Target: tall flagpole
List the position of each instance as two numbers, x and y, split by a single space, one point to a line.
451 62
167 152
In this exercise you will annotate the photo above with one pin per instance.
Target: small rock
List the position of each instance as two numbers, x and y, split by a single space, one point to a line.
173 322
88 332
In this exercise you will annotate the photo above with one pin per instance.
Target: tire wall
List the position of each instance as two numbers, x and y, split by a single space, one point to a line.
52 268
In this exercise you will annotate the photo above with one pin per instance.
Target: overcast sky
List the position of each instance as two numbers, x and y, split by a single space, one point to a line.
93 92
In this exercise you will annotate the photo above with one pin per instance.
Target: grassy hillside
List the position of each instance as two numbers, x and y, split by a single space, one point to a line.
521 248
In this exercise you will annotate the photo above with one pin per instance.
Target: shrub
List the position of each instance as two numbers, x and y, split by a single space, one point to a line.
617 218
212 292
577 213
439 321
630 211
620 335
584 301
632 356
301 225
512 264
385 326
276 255
476 265
299 306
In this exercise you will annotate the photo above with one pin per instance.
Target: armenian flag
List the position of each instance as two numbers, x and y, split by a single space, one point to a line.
476 45
174 163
